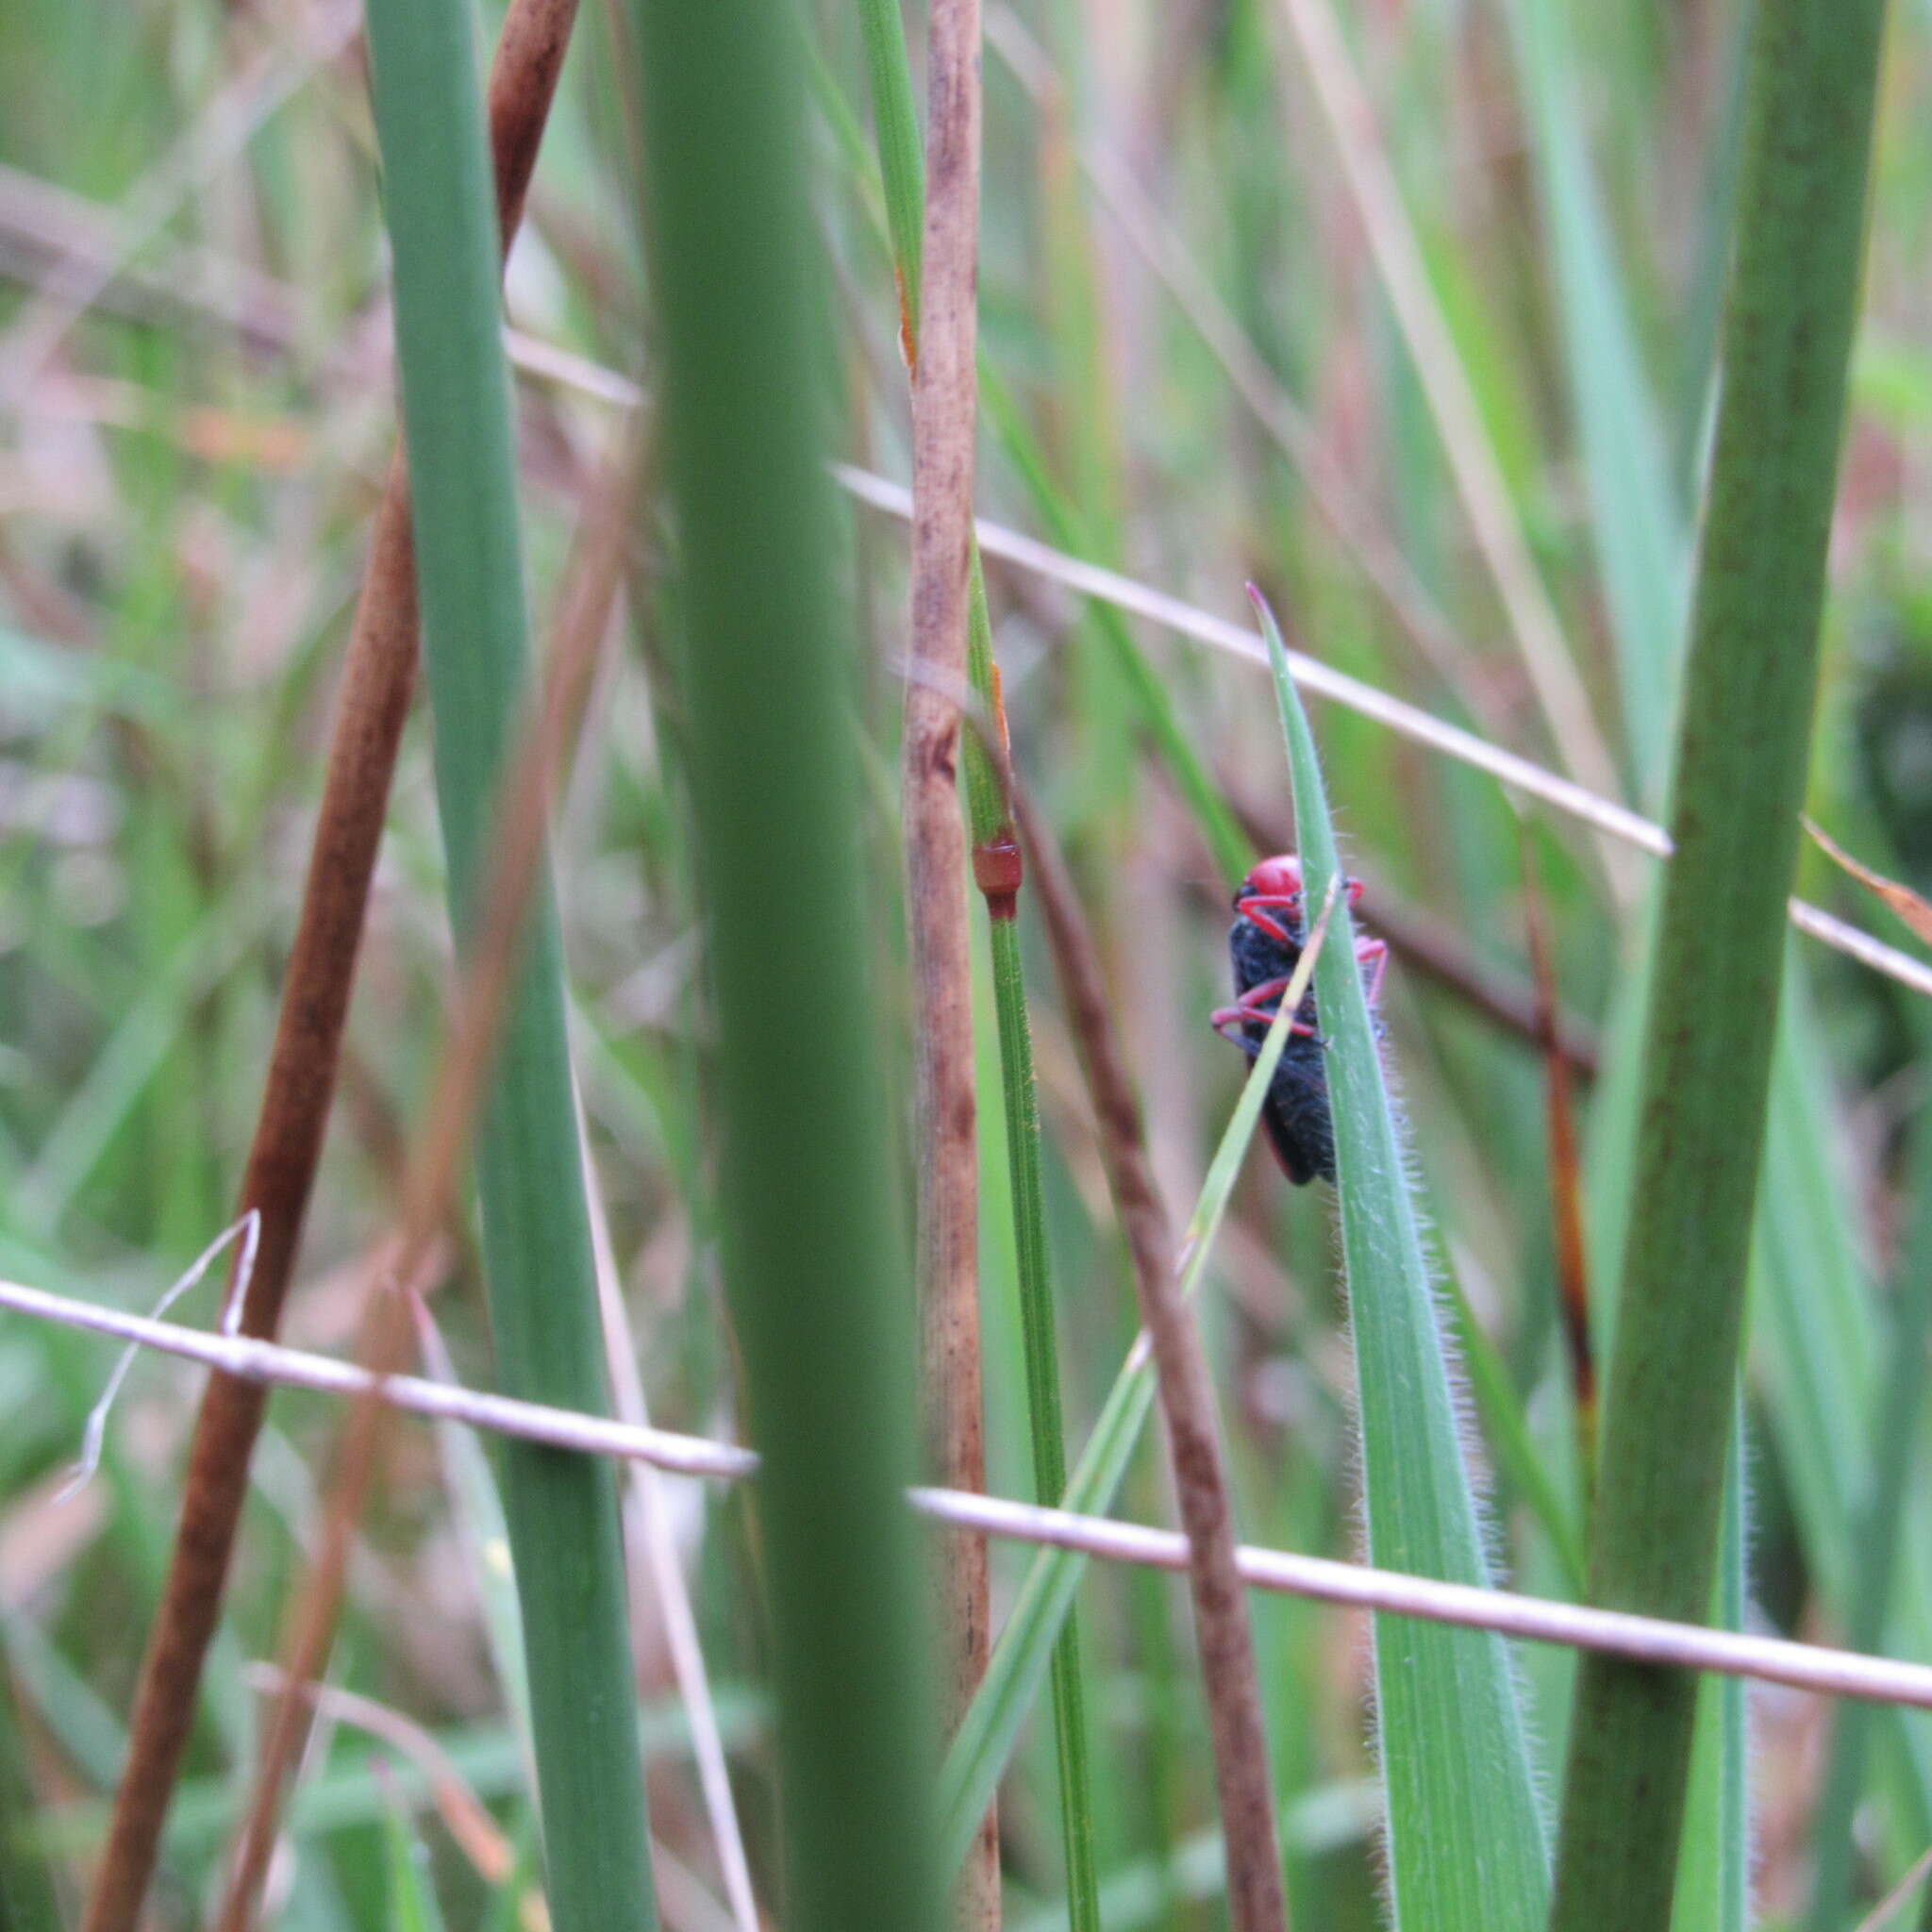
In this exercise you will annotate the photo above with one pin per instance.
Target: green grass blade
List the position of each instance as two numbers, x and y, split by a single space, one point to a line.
1021 1111
1876 1552
1642 554
1741 755
563 1510
1714 1864
811 1263
413 1905
1043 1397
902 159
1518 1462
1020 1659
1455 1761
1641 539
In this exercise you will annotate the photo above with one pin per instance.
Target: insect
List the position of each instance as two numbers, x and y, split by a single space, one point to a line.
1264 943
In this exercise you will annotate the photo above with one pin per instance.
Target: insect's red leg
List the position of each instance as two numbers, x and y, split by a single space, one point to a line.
1256 1006
1372 957
1259 907
1229 1022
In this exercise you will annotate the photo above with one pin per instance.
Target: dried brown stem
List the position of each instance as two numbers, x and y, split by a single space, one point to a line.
1566 1182
429 1185
377 681
1256 1900
944 400
1442 954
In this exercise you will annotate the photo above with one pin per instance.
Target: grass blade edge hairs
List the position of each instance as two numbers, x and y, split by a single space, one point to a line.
1455 1754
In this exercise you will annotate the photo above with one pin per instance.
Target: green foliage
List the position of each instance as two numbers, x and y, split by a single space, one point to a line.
561 1509
186 490
1739 775
811 1260
1456 1763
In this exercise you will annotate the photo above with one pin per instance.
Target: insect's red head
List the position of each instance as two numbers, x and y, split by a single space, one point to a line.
1278 878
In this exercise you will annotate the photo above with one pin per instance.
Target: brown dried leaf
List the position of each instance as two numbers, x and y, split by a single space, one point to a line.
1915 911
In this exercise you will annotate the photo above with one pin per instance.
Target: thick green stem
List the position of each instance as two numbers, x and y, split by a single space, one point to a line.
1739 779
814 1270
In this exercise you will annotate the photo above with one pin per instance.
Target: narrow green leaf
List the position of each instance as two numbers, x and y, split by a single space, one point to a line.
902 161
1455 1761
563 1510
413 1905
1714 1863
1518 1460
1643 551
1876 1552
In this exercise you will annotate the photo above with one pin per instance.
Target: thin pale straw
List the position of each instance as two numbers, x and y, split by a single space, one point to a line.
1644 1640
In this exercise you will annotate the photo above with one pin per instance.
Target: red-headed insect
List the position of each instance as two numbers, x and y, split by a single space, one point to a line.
1264 943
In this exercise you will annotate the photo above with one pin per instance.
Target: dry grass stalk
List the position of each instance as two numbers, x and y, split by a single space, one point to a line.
1398 256
1566 1181
429 1185
378 679
944 400
280 1174
1257 1898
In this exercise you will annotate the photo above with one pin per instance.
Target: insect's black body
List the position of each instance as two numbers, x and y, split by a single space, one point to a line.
1265 945
1296 1111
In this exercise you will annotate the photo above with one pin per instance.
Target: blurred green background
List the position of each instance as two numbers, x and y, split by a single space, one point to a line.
1194 371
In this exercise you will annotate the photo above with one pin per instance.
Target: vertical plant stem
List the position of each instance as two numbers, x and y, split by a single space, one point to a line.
1043 1404
378 676
1739 782
803 1195
1255 1892
1894 1436
561 1509
939 336
998 868
955 65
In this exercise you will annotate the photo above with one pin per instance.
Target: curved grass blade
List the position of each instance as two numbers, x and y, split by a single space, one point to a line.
1466 1851
1020 1659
